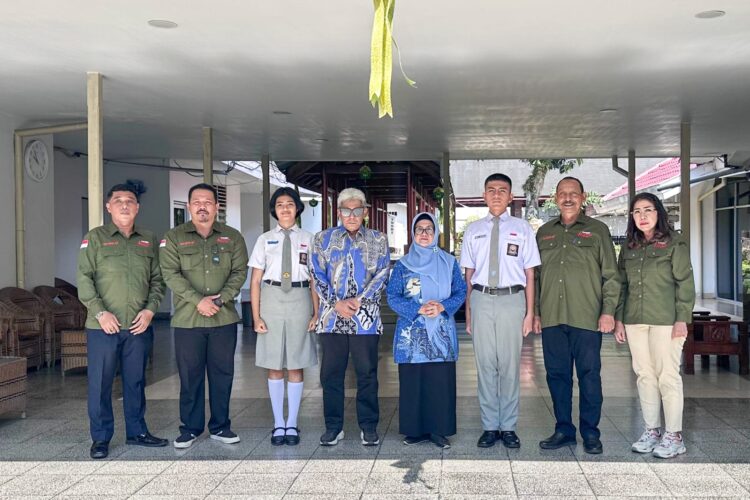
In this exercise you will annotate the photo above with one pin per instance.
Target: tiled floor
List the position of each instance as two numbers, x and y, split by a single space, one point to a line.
46 455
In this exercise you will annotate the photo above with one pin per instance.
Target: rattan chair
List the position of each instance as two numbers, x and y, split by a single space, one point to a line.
67 313
31 304
26 333
7 334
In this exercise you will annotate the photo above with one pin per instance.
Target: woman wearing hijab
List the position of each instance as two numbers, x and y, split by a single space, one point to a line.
656 305
426 289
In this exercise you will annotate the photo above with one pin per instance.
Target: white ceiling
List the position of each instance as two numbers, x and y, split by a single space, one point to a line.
497 79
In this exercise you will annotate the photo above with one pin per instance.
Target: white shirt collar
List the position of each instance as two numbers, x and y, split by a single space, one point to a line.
293 229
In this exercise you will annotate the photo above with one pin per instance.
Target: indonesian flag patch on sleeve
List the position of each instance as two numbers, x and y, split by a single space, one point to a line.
84 244
162 243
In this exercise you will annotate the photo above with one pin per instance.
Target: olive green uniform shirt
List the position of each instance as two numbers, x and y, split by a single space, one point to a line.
118 274
657 283
578 280
194 267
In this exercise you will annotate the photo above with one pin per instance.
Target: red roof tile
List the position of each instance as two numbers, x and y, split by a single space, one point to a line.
661 172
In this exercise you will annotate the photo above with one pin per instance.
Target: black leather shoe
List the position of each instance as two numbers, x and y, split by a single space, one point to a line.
292 439
592 446
440 441
146 439
488 438
280 439
510 439
99 449
557 440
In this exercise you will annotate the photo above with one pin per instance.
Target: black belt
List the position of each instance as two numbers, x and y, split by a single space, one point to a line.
295 284
506 290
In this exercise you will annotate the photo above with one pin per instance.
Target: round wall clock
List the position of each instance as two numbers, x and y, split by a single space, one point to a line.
36 160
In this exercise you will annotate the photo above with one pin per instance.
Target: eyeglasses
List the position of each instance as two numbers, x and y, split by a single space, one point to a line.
646 212
349 212
423 230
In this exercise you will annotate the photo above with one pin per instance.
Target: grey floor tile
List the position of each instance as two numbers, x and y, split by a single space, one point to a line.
270 465
189 467
626 485
50 484
324 465
458 464
552 485
101 484
406 482
133 467
166 497
80 468
616 467
707 486
555 467
178 484
329 484
256 484
399 496
482 483
699 469
15 467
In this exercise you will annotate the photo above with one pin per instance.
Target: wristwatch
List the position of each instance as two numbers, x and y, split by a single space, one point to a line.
218 302
99 315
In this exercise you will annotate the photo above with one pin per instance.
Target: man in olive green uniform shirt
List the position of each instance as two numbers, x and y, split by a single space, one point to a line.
578 289
120 283
204 262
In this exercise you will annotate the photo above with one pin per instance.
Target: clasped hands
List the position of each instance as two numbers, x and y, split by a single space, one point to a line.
347 308
431 309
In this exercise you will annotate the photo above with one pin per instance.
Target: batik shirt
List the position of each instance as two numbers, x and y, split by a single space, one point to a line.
345 267
411 342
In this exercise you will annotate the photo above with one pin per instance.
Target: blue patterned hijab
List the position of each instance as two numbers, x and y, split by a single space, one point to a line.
435 269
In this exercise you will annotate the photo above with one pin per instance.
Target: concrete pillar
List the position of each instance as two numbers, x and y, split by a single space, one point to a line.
631 176
445 209
685 180
95 149
208 156
265 167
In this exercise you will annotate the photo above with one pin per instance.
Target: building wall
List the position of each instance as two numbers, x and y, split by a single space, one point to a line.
7 204
706 265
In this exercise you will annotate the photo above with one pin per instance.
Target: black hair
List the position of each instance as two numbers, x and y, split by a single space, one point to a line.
207 187
635 236
498 177
123 187
285 191
570 178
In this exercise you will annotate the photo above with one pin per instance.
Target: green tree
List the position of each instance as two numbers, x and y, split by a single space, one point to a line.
532 188
592 198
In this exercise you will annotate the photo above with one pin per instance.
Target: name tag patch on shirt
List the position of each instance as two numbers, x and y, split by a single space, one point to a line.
584 234
273 242
548 237
660 244
110 243
84 244
223 239
187 243
512 250
480 236
144 243
303 259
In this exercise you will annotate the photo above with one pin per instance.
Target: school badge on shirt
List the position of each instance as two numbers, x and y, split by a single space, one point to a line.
512 250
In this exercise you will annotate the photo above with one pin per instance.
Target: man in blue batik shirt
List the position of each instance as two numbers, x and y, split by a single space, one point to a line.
349 264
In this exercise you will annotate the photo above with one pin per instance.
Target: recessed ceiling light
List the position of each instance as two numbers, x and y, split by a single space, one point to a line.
575 137
710 14
322 140
608 110
282 112
162 23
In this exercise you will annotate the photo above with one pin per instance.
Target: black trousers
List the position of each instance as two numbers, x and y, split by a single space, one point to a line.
335 350
564 346
200 351
103 353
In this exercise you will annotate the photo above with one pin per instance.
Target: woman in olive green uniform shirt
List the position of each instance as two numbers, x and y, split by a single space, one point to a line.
656 305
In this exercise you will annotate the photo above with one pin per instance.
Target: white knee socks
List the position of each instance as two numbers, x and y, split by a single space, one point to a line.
294 395
276 391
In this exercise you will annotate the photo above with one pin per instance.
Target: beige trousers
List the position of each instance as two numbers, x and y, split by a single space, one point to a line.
656 362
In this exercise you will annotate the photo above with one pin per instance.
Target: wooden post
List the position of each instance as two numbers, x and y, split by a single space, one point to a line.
445 175
631 176
324 193
685 181
409 204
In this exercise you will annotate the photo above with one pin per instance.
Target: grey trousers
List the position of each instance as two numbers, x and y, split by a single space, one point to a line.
496 322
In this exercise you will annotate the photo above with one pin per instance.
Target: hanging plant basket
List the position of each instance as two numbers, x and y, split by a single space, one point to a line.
365 173
313 203
438 194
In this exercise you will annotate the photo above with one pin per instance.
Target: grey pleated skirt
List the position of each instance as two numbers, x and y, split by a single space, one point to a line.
287 344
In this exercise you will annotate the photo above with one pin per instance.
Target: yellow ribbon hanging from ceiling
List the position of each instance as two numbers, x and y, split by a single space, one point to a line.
381 58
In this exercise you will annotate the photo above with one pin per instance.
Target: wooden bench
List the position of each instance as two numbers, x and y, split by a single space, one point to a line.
713 335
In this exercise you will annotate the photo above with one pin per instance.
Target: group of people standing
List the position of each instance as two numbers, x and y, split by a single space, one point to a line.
564 283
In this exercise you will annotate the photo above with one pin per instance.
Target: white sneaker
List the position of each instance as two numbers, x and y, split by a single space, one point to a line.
671 445
185 440
647 442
